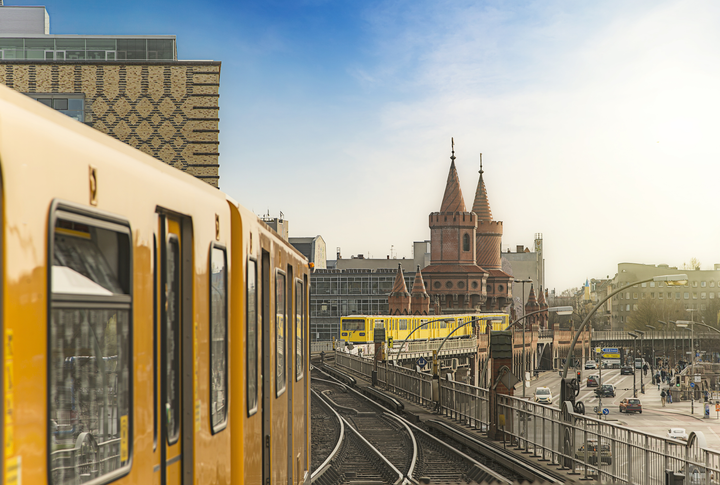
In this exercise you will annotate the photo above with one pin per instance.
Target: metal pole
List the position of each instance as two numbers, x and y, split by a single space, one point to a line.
523 340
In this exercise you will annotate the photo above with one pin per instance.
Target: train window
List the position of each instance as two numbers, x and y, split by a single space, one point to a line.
299 328
443 324
279 333
90 361
218 339
252 335
171 337
403 324
353 324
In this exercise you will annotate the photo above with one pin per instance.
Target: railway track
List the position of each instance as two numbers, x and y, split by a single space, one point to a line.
415 455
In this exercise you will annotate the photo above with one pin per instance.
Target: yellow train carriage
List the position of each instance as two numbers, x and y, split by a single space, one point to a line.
359 329
129 291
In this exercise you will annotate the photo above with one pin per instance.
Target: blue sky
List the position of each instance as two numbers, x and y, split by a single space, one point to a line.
597 120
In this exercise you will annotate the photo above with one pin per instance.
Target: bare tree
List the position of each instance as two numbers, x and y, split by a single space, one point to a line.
650 310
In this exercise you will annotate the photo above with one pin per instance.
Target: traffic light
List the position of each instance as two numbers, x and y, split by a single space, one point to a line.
390 342
677 381
579 378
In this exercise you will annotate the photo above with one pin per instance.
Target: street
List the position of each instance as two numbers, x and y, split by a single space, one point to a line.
654 419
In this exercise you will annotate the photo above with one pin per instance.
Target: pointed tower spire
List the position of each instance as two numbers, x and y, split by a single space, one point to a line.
419 299
452 200
481 206
399 299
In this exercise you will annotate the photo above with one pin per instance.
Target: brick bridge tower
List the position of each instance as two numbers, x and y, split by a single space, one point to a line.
488 236
455 282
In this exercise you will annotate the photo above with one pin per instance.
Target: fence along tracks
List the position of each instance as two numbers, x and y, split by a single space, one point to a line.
405 449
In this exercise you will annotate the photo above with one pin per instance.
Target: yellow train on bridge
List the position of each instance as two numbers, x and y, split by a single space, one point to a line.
360 329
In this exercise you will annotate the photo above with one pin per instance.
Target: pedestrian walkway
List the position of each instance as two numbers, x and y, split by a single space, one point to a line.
651 400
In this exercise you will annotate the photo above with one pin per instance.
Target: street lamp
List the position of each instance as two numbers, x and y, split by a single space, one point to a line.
685 324
670 280
652 336
635 337
642 360
524 365
674 344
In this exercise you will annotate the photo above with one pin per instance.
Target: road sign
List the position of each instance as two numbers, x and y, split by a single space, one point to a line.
422 362
692 384
611 356
611 350
598 349
698 378
606 411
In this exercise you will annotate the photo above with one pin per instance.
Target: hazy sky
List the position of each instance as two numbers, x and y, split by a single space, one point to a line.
598 121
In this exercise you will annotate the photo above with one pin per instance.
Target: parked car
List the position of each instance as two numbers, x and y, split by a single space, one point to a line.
630 405
626 370
677 433
592 453
593 381
607 390
543 395
590 364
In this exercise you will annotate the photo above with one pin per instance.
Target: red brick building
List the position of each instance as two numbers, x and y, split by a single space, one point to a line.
465 275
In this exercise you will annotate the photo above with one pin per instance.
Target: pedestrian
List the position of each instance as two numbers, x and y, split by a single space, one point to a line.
705 394
657 378
669 397
662 397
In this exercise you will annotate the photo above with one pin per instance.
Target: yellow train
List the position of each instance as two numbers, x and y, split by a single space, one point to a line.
360 329
154 331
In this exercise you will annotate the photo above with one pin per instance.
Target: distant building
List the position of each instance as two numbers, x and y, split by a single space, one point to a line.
702 291
525 263
312 248
130 87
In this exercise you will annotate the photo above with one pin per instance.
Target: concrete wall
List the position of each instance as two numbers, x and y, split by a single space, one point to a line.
24 21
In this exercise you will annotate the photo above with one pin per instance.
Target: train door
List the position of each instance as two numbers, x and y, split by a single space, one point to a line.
266 368
175 394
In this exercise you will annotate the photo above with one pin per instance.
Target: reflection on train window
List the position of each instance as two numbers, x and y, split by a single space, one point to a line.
171 338
252 333
89 419
218 339
403 324
299 328
353 324
279 333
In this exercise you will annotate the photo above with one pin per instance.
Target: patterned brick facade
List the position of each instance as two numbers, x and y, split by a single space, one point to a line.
167 109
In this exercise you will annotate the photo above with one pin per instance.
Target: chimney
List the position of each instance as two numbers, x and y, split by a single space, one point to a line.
520 248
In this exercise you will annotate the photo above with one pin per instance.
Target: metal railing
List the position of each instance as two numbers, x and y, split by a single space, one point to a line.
605 451
598 449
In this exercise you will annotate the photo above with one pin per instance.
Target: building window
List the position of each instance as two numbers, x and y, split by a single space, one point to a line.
644 285
635 307
466 242
652 284
703 283
703 296
72 105
686 295
627 295
642 295
660 295
652 295
634 296
694 283
448 284
712 295
694 295
627 308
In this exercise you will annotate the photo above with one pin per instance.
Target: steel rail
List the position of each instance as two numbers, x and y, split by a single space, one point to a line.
326 464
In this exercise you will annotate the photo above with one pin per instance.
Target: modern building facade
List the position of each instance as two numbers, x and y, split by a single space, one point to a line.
132 88
702 291
525 264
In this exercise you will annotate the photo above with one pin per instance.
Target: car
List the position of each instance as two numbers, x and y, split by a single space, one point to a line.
543 395
630 405
590 364
626 370
593 381
592 453
606 390
639 363
677 434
